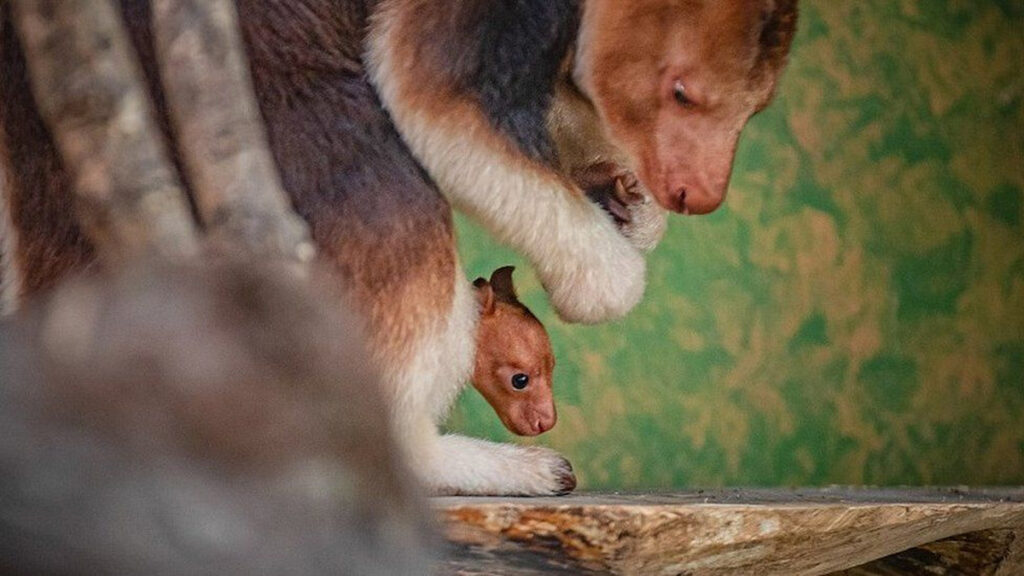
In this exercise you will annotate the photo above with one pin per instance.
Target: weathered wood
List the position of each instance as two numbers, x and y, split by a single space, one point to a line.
764 532
88 88
220 132
987 553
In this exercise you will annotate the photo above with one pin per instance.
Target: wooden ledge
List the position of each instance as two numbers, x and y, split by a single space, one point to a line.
856 532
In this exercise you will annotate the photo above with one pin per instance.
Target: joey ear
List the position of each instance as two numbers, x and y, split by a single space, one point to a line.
501 283
484 295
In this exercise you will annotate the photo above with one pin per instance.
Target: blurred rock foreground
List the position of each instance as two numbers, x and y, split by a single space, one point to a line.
202 419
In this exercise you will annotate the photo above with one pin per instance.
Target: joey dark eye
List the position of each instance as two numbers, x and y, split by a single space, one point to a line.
520 381
679 93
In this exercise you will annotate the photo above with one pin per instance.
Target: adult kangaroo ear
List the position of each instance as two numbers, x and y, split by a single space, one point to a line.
501 283
484 295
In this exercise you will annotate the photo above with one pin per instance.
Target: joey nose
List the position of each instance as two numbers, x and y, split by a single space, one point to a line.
545 421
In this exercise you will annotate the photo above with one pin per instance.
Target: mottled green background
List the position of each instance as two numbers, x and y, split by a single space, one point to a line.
855 314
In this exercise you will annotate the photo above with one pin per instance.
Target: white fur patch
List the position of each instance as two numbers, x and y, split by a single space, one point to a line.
647 224
473 467
10 277
421 392
445 356
591 272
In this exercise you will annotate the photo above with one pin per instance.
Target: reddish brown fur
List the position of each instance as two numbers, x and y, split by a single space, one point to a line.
50 243
511 341
728 56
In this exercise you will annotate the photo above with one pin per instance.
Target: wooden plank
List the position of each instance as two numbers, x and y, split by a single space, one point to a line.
987 553
784 532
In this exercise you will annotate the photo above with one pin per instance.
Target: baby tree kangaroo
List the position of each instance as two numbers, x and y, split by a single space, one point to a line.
514 362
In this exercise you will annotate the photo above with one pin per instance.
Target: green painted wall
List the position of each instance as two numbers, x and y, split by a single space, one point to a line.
855 314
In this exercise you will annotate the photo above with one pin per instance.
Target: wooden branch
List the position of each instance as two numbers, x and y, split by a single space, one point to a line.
89 90
723 532
220 131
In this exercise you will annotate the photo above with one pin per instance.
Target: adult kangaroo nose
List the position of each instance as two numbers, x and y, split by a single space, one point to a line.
695 169
696 200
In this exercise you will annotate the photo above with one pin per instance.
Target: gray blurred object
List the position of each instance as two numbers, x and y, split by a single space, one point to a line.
201 420
8 283
87 84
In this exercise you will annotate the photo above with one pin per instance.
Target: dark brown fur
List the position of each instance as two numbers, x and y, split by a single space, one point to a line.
374 214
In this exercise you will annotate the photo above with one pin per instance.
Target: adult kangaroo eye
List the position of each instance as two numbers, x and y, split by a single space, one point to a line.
679 93
520 381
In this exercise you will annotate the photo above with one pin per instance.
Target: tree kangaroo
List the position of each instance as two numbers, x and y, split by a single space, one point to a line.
383 114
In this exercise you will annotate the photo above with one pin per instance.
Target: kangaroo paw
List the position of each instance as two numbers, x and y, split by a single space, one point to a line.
471 467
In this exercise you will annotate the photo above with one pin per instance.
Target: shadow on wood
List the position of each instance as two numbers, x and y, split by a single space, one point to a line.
986 553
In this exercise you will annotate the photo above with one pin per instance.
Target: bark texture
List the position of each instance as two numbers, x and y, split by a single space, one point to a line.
220 132
739 532
89 90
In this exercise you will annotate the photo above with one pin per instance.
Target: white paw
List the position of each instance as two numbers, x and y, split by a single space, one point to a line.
471 467
551 473
597 280
646 225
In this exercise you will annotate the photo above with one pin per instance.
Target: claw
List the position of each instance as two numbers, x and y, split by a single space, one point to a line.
566 479
616 204
620 189
627 188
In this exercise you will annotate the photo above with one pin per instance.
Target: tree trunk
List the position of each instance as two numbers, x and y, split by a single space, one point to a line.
220 133
89 91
